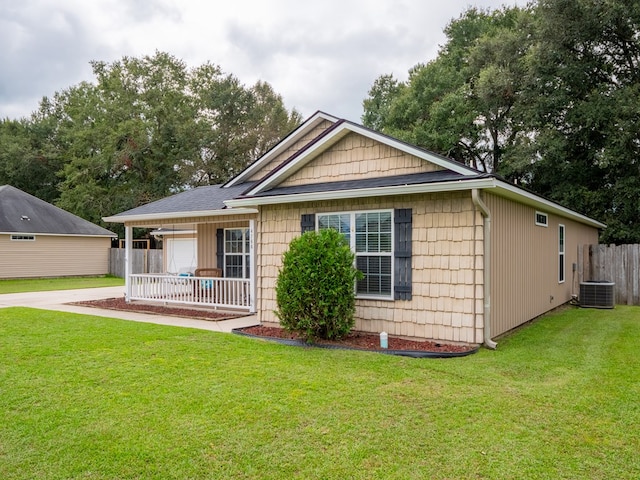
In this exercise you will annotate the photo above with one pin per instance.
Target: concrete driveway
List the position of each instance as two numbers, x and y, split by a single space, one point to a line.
59 300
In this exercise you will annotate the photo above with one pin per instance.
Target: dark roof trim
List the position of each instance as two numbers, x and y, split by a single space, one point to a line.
377 182
282 145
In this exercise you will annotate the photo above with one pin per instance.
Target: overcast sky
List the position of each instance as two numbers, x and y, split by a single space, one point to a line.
320 55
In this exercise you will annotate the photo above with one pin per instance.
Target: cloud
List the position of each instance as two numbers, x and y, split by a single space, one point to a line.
322 55
43 50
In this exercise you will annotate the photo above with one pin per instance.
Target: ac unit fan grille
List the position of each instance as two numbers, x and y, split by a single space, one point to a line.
597 294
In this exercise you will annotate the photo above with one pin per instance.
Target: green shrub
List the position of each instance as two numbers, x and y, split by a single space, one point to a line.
315 290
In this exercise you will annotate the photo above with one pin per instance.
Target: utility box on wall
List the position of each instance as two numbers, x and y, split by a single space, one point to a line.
597 294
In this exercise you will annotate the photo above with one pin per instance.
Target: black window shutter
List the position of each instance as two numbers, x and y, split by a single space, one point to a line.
220 248
402 254
308 222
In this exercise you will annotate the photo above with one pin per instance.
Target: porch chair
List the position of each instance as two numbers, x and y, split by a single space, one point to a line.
201 287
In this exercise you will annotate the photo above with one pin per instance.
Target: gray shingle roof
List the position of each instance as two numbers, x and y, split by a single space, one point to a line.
21 212
199 199
392 181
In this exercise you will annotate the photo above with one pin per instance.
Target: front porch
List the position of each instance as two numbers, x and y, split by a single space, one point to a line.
224 273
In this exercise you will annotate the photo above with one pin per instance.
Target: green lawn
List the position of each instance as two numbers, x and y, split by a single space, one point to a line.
62 283
84 397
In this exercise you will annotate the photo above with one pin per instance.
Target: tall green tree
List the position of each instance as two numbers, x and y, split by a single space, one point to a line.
587 85
148 127
547 96
27 160
124 136
236 124
464 104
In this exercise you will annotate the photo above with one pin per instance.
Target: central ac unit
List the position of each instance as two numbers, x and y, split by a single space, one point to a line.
597 294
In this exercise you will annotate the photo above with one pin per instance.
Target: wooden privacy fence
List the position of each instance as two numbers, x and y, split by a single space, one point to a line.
613 263
143 261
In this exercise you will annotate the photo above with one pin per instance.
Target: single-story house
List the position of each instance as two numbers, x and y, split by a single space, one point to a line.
449 253
38 239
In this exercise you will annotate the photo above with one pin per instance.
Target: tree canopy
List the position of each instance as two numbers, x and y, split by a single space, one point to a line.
145 128
545 95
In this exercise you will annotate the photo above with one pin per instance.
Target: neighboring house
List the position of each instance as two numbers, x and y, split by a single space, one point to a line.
449 253
38 239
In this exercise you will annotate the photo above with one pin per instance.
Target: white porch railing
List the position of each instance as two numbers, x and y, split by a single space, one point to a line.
207 291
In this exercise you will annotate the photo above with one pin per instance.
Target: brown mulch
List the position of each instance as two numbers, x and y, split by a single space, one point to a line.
121 304
360 340
366 341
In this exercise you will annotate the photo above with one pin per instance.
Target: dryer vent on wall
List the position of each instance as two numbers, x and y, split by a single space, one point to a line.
597 294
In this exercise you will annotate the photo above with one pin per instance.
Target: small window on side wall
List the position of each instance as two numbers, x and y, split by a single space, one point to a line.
542 220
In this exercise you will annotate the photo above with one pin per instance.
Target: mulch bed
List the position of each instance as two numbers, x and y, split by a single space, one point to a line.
363 341
121 304
357 340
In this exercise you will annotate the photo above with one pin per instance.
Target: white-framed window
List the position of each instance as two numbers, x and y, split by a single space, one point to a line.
561 242
542 219
236 253
370 236
23 238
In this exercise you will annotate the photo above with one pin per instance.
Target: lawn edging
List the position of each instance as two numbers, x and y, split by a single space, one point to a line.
403 353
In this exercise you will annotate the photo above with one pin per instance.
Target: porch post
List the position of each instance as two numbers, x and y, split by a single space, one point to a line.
252 265
128 260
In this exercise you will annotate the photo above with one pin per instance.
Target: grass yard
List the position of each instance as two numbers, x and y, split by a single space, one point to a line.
84 397
62 283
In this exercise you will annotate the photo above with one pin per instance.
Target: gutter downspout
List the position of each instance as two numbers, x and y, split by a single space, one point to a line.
486 215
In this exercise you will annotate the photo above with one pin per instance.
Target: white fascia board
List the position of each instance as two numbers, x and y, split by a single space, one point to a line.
293 137
178 215
500 188
507 190
339 132
364 193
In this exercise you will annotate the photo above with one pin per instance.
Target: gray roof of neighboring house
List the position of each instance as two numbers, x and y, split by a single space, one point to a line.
377 182
21 212
199 199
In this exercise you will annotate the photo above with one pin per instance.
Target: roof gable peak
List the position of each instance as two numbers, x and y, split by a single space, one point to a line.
298 133
334 134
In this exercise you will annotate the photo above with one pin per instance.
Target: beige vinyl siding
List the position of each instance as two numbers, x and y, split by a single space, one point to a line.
356 157
446 302
524 273
207 241
302 142
53 256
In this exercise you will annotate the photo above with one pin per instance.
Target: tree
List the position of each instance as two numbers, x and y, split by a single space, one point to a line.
236 124
315 289
464 104
26 161
124 137
587 86
547 96
148 127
